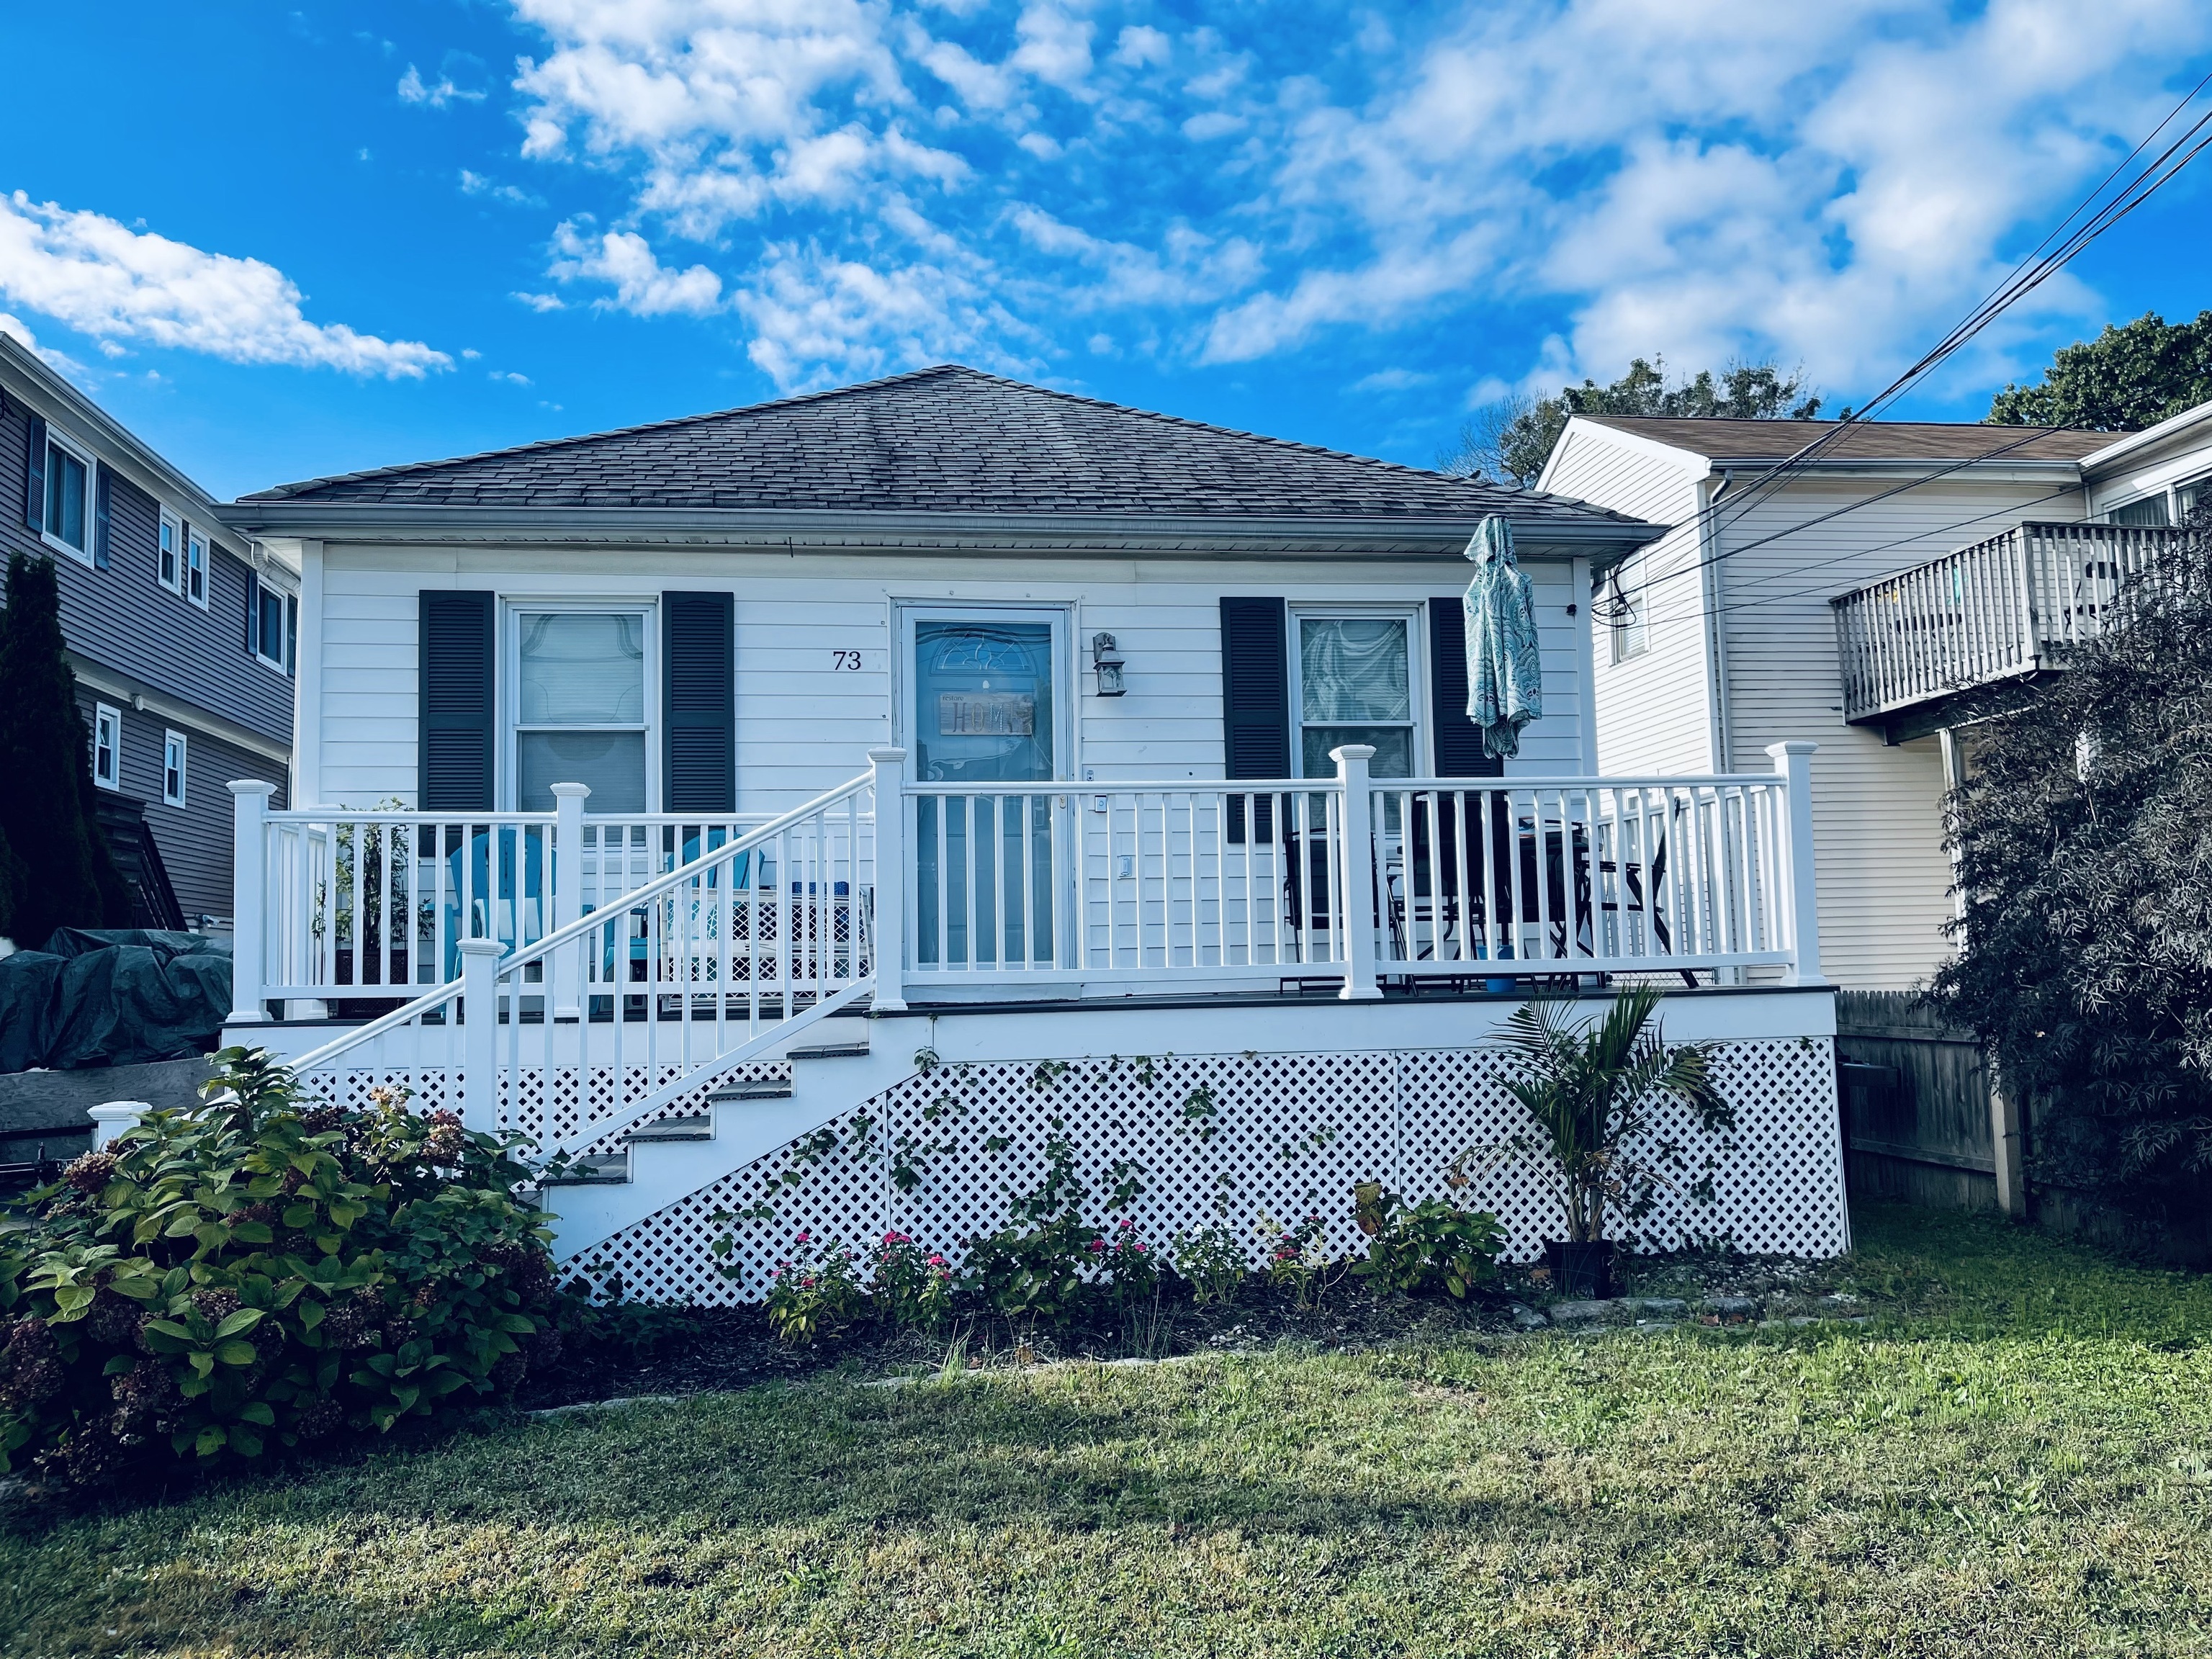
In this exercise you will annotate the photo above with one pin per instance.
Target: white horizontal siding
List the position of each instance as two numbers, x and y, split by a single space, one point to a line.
803 727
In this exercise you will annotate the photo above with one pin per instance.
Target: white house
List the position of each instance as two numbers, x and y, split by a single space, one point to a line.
1854 602
634 769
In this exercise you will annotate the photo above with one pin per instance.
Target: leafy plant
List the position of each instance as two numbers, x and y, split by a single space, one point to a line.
262 1271
1034 1268
1592 1089
1212 1263
912 1284
1427 1246
1132 1271
814 1295
1299 1261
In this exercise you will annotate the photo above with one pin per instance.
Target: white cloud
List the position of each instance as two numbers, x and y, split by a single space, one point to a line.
117 285
1212 124
1140 45
541 302
642 284
1393 379
475 184
413 90
1054 46
507 377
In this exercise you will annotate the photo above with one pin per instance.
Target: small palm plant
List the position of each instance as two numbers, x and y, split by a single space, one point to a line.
1594 1089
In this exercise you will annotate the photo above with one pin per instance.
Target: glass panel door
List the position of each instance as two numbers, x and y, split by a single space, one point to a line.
984 711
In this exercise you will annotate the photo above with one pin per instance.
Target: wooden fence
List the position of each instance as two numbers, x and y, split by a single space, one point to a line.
1915 1100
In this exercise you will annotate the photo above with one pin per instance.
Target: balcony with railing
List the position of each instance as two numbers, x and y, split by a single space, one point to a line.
2004 610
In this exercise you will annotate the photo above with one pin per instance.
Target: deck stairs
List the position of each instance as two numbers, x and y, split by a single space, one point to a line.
661 1161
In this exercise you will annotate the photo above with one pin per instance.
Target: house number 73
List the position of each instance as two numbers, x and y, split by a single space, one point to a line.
845 662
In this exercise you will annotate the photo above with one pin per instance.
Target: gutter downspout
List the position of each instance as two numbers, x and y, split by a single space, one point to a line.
1710 593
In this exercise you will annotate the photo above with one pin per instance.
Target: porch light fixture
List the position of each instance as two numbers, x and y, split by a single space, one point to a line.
1108 661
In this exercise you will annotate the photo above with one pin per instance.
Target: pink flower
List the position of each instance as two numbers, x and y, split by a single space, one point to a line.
804 1238
1126 1223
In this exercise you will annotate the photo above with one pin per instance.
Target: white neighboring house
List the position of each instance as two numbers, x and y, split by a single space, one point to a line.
1035 728
1855 603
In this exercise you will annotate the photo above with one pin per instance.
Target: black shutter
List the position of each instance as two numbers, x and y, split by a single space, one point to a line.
1255 699
698 702
34 477
291 634
454 750
1458 739
101 500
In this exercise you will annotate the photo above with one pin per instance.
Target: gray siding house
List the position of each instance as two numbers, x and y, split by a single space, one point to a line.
179 631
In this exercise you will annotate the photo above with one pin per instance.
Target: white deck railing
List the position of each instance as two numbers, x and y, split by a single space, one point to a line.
605 1018
610 985
2013 605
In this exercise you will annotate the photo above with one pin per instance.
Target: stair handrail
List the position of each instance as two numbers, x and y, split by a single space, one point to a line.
439 995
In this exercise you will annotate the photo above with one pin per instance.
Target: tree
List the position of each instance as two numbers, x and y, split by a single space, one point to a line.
2126 378
2083 833
1512 438
46 810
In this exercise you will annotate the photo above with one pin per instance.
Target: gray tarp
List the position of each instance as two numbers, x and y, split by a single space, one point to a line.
113 997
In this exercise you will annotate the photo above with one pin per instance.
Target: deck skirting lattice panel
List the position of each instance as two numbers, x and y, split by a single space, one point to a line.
1251 1142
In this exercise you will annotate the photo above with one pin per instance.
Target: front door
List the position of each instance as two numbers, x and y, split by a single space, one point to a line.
983 709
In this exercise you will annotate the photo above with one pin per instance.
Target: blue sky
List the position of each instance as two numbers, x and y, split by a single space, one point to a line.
284 241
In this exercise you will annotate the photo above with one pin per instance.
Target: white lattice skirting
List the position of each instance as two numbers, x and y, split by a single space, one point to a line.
1287 1136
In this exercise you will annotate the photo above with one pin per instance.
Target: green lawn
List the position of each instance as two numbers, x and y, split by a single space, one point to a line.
2016 1457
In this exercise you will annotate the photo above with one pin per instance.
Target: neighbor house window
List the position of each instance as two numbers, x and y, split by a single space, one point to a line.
582 710
173 767
269 641
169 555
107 746
195 568
1355 685
1626 622
67 522
2186 497
2151 509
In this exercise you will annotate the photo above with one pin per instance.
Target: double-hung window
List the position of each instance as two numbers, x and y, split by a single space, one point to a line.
1355 684
169 555
195 568
583 706
107 746
1626 619
173 767
67 521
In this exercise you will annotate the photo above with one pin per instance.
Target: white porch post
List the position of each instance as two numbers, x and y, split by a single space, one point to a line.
249 891
112 1120
565 875
1794 761
890 917
479 1090
1359 860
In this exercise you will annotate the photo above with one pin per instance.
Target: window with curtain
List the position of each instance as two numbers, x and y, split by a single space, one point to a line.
581 709
1355 685
2151 509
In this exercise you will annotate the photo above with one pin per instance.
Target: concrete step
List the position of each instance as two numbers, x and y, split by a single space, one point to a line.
832 1051
598 1169
698 1127
767 1088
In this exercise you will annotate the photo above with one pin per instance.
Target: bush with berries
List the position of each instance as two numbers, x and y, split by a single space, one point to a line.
263 1272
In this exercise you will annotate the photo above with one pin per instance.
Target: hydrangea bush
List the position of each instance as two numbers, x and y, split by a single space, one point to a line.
264 1271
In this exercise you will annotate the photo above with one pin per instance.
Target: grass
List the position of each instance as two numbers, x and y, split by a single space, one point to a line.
2015 1458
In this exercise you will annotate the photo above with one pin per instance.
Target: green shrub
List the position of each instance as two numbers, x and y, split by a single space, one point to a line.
814 1295
1299 1261
1034 1269
1421 1248
262 1271
912 1284
1131 1269
1210 1263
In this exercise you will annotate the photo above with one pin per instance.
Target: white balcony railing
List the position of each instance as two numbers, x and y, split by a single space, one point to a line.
2008 607
929 890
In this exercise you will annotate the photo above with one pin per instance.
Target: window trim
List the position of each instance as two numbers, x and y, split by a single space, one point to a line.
172 525
57 439
1628 626
260 587
107 716
509 684
198 538
1412 614
173 741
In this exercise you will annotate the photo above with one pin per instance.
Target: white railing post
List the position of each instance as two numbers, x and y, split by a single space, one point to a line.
1357 862
564 862
249 894
1794 761
479 1091
888 918
112 1120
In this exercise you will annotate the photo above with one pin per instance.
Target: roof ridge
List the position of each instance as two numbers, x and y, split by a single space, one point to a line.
278 492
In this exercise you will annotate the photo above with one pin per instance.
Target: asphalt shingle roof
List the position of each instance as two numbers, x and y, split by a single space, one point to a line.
948 439
1875 441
